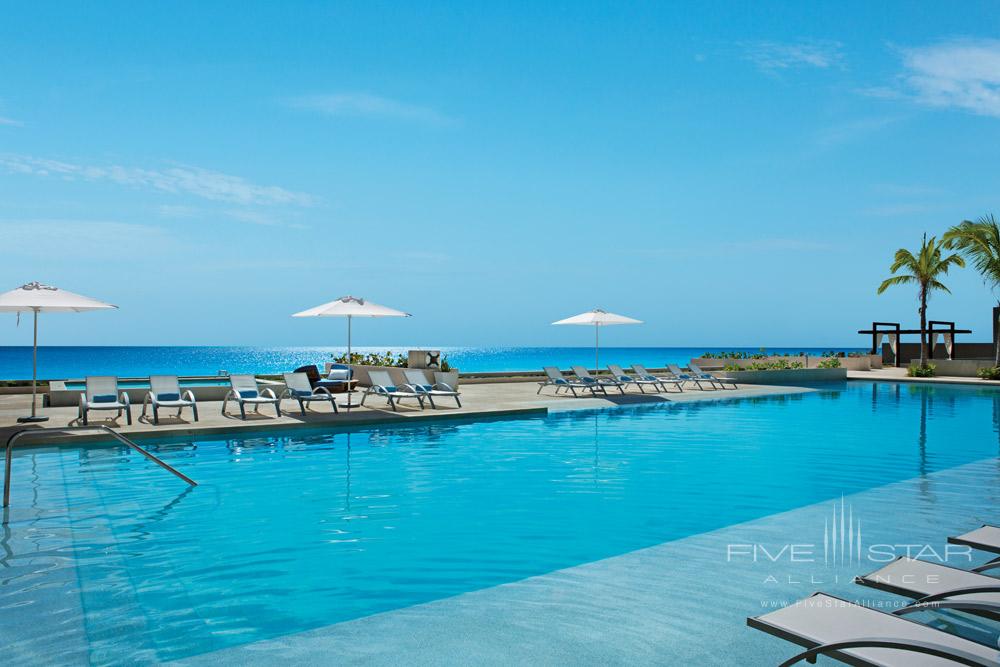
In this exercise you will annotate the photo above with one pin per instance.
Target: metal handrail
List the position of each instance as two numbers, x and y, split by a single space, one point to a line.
76 429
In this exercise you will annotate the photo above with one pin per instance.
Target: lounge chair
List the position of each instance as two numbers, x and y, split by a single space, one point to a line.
555 379
708 376
857 635
297 386
639 382
165 392
690 377
245 391
936 586
985 538
382 385
641 372
416 381
102 393
601 383
339 379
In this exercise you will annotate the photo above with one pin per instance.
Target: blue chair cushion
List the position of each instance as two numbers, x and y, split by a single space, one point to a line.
390 389
104 398
168 397
248 393
301 392
426 387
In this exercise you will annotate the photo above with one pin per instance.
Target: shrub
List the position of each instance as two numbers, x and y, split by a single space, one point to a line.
829 362
989 373
917 371
373 359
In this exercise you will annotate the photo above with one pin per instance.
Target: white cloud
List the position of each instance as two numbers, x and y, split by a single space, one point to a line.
963 74
774 56
10 122
82 240
853 130
368 105
179 179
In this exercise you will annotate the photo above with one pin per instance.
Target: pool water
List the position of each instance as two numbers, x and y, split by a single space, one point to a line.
293 532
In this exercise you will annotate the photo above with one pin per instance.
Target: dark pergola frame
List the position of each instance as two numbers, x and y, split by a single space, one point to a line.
932 328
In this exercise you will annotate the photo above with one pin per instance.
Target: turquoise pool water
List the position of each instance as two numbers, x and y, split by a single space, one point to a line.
305 530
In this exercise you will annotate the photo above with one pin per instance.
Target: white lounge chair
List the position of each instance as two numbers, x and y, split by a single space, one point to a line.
297 386
639 382
829 626
416 381
640 371
382 385
985 538
246 392
102 393
690 377
165 392
708 376
936 586
601 383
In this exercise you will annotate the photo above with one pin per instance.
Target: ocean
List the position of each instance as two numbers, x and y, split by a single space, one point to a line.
60 363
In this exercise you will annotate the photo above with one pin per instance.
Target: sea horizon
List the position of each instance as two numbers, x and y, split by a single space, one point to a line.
60 362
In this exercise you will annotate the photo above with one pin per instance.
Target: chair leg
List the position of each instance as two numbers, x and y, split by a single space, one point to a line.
243 411
128 415
277 408
85 411
431 399
194 411
302 407
156 415
458 401
392 404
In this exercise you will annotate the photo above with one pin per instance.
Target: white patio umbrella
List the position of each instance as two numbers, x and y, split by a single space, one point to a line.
351 307
39 298
598 318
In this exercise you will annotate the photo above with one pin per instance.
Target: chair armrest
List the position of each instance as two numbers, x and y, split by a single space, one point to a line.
123 397
268 390
441 386
322 390
188 396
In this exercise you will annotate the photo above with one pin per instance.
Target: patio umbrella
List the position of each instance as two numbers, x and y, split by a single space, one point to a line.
598 318
351 307
39 298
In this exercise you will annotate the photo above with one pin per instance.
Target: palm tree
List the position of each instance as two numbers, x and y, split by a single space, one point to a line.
924 269
979 241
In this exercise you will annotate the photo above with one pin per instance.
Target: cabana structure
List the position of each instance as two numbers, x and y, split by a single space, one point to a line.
893 332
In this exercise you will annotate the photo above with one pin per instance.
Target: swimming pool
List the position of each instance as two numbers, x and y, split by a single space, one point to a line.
309 529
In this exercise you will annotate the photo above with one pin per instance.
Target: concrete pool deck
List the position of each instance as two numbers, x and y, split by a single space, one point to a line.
478 400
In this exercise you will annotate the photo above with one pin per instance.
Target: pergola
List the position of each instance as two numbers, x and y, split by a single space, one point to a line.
893 332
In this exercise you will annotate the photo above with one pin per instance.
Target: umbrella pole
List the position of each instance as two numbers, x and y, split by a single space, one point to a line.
597 348
34 376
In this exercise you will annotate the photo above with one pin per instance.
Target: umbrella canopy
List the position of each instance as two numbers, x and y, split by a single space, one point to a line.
598 318
44 298
38 298
351 307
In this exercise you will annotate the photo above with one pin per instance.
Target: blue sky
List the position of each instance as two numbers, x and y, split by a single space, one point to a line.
731 175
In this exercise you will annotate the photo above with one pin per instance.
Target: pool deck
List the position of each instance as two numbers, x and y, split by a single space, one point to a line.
478 400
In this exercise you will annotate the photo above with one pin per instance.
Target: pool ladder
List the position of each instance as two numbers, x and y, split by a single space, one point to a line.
76 429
